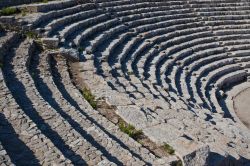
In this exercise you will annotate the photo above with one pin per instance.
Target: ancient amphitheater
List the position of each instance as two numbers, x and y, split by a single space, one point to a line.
125 82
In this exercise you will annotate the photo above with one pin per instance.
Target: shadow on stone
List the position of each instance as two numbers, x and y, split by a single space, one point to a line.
219 160
17 150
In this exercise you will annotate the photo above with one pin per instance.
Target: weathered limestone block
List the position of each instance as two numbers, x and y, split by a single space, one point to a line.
133 115
192 153
89 50
93 82
162 133
170 160
32 8
71 54
118 99
50 43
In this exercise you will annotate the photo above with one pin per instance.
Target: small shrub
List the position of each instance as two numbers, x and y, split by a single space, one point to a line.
24 12
39 42
1 28
32 74
31 35
140 142
130 73
80 49
130 130
9 11
89 97
169 149
1 65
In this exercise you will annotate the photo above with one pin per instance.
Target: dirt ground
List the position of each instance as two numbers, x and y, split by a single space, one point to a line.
242 106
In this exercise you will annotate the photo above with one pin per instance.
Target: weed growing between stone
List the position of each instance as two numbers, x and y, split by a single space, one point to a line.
31 35
89 97
9 11
169 149
130 130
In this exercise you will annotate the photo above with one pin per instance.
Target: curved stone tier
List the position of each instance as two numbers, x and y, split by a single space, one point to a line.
170 68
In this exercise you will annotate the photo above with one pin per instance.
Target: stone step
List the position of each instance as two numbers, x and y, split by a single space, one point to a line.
5 43
82 123
18 130
170 9
137 4
192 66
163 65
60 23
46 18
53 5
7 3
75 96
4 157
76 147
75 27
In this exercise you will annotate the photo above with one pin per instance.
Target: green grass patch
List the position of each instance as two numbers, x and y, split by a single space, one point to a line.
9 11
80 49
130 130
89 97
24 12
169 149
130 73
31 35
32 74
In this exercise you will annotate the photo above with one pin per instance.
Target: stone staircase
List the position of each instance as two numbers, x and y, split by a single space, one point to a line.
166 67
